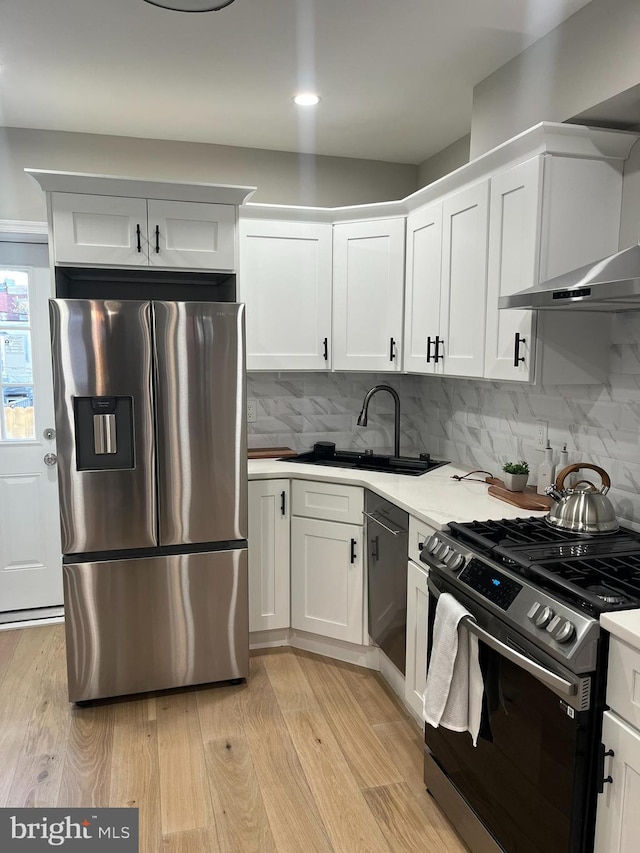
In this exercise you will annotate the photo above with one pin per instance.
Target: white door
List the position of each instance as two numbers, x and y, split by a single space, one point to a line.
514 246
423 285
99 230
618 816
368 272
464 281
269 514
285 280
192 235
30 560
327 578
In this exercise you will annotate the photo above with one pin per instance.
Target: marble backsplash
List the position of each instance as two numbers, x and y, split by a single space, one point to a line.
478 423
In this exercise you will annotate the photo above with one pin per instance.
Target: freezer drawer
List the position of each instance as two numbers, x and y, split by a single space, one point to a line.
156 622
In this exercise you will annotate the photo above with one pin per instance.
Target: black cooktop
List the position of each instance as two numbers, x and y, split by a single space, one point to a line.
600 572
325 453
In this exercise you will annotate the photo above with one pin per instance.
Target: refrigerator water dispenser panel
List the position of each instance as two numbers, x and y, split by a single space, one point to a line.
104 433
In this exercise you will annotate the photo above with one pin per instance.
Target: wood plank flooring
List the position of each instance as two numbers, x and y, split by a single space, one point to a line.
310 755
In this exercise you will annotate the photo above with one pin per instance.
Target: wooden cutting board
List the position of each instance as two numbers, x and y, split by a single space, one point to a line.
529 499
270 452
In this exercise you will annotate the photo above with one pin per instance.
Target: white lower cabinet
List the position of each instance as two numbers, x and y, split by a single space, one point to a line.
269 554
417 639
327 578
618 821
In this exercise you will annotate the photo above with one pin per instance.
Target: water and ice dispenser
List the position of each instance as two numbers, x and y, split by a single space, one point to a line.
104 433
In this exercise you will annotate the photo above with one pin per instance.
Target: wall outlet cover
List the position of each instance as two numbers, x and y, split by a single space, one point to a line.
252 411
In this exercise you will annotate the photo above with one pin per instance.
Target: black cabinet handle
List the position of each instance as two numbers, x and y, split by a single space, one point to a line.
428 350
139 244
517 358
325 345
604 780
157 239
436 350
375 548
353 550
283 503
392 345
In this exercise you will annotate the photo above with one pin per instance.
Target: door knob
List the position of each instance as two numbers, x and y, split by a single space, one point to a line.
50 459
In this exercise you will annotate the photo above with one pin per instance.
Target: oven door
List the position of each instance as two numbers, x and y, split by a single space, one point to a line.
524 787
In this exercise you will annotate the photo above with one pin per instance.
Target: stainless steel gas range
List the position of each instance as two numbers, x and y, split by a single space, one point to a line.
534 594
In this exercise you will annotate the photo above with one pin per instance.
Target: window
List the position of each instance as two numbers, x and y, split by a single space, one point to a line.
16 367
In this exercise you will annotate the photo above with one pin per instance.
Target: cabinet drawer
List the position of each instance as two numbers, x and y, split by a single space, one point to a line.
328 501
623 687
419 532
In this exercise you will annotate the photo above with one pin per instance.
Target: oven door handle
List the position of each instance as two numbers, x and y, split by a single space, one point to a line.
377 521
556 682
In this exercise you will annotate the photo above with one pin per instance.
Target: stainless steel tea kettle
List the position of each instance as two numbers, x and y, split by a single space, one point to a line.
582 510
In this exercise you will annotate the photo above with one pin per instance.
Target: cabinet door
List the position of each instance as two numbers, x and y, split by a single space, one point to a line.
368 267
192 235
286 283
417 640
269 521
464 281
422 295
514 245
327 578
618 816
99 230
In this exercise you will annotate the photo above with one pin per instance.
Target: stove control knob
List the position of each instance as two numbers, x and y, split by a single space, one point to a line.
561 629
540 614
441 551
431 544
454 561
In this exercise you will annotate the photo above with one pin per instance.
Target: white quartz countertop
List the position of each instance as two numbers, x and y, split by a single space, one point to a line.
434 498
625 625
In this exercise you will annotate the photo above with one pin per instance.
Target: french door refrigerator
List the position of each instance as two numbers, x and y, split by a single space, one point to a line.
150 403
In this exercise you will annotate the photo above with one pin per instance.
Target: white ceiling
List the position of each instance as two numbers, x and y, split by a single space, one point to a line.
395 76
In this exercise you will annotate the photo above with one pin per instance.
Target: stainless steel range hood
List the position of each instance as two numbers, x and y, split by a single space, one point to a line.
611 284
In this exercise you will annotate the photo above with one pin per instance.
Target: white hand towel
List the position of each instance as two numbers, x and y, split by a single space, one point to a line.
453 695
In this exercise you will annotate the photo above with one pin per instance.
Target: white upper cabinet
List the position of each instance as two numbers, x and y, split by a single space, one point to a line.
285 280
89 229
514 241
191 235
368 268
461 331
422 289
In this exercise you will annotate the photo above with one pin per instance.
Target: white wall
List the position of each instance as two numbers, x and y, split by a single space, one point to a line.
592 56
281 177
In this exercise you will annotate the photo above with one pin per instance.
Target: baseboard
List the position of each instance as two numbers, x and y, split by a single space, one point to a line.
10 620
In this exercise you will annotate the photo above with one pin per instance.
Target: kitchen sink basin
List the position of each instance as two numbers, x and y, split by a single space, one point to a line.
325 453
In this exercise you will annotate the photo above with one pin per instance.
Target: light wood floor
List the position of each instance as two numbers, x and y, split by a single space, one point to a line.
311 755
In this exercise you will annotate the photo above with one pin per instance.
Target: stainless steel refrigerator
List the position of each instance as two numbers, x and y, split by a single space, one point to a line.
150 403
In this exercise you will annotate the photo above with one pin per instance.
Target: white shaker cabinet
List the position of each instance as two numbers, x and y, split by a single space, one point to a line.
417 617
618 819
269 553
514 240
99 230
422 289
285 280
460 335
114 231
327 560
327 578
368 271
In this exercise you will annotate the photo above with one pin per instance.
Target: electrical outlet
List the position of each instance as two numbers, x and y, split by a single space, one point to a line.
252 413
542 434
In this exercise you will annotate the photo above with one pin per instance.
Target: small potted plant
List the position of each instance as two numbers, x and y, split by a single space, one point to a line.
516 475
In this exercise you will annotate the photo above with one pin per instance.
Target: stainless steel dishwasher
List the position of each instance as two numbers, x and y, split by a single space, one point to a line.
387 531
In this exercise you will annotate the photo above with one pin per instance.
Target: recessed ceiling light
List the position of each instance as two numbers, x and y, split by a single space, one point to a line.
306 99
191 5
